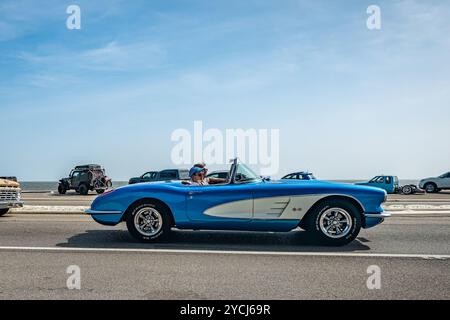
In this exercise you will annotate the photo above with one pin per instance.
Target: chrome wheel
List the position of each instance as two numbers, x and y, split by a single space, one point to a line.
148 221
335 222
407 190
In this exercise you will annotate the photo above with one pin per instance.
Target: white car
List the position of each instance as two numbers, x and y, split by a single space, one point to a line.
437 184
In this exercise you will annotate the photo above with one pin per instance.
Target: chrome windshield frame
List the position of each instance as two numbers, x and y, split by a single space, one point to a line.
233 172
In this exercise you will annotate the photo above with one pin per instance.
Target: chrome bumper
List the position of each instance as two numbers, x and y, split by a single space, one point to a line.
377 215
10 204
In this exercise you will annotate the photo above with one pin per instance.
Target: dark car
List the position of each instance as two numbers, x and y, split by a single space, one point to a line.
146 177
301 175
84 178
164 175
218 174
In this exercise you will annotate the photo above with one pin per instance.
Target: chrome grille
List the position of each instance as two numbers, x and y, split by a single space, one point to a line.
9 195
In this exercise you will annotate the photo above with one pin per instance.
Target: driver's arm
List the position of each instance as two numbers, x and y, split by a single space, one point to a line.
217 180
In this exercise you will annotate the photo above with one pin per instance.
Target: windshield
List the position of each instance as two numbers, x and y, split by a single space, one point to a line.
245 174
184 175
445 175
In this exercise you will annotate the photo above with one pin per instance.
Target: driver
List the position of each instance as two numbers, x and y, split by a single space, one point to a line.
197 174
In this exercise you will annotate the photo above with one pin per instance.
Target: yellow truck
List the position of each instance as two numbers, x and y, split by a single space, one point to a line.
9 195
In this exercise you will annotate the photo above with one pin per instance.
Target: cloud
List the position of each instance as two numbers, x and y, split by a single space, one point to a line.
111 57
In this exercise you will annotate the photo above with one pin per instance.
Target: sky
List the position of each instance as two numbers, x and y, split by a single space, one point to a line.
349 102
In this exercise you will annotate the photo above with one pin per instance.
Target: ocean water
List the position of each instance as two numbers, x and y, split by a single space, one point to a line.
53 185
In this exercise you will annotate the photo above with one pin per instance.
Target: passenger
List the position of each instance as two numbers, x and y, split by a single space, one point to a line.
198 173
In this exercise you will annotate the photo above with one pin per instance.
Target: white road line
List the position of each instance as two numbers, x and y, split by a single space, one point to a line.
229 252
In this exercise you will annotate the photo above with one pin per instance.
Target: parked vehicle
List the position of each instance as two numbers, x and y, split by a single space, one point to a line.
164 175
332 213
146 177
436 184
222 174
84 178
390 184
10 178
302 175
9 195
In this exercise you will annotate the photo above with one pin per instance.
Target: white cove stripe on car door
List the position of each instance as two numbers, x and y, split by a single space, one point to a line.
284 207
236 209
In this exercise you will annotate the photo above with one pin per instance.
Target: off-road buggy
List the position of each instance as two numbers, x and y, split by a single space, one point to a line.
84 178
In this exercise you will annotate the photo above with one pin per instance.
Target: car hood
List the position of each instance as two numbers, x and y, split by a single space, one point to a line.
151 183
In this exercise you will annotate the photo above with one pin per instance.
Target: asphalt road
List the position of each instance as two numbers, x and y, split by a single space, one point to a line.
413 254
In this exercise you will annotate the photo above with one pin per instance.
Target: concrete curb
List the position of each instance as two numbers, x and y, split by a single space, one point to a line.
35 209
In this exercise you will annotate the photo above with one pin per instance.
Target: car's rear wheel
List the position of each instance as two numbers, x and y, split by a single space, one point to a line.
431 187
62 189
148 222
83 189
407 190
3 211
334 222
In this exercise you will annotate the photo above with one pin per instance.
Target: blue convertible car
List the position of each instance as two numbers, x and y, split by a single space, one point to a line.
332 213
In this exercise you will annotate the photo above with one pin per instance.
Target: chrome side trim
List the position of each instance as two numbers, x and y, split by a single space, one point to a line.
377 215
94 212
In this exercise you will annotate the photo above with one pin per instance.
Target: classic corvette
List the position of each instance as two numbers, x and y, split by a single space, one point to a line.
332 213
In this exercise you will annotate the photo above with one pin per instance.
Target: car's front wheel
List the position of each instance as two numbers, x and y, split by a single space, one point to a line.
148 222
62 189
431 187
334 222
407 190
3 211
